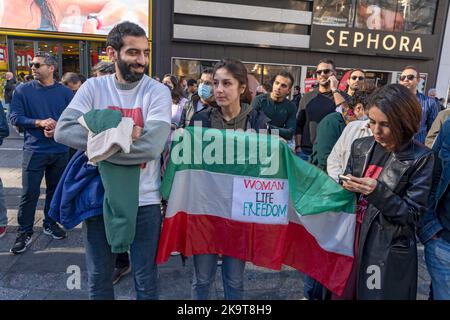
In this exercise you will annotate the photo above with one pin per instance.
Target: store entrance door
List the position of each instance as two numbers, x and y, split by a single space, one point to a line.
68 55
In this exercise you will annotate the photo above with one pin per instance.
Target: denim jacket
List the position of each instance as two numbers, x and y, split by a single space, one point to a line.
79 194
4 129
430 223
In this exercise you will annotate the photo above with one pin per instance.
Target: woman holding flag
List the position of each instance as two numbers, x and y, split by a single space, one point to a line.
391 175
233 112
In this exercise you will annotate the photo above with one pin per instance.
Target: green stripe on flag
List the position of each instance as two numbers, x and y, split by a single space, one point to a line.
311 190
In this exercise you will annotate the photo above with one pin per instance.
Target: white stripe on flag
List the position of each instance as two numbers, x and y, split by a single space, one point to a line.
334 231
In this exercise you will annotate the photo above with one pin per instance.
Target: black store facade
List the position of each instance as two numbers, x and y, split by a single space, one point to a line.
379 36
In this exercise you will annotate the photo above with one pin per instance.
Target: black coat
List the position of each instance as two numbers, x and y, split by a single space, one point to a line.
9 89
387 239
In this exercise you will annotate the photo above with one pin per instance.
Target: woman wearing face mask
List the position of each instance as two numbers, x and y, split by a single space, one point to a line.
204 98
332 126
337 160
391 175
233 112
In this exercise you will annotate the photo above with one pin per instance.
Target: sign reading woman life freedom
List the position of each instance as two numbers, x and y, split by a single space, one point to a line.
373 42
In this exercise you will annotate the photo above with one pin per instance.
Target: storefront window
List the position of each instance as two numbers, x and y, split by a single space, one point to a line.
97 53
190 69
410 16
3 64
23 55
70 57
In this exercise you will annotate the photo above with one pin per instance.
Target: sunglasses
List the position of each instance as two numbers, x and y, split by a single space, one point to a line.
37 65
324 71
357 78
409 77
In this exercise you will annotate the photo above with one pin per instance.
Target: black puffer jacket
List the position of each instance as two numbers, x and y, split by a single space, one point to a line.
387 263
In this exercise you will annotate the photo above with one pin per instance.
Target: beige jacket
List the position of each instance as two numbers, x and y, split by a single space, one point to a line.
436 127
337 160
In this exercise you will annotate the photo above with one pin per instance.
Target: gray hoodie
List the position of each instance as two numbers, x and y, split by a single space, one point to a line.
240 122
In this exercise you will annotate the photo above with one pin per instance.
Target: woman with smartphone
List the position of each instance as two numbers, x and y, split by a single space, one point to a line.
391 175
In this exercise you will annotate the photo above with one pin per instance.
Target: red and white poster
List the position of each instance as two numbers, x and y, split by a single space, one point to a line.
24 57
309 84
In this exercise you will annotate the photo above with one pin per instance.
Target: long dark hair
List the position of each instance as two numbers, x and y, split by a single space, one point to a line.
239 72
177 92
46 12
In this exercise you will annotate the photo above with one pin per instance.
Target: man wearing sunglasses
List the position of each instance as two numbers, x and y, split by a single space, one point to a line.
410 78
36 106
356 81
315 105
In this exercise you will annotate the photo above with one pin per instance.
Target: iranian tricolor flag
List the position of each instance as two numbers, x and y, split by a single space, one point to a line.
248 196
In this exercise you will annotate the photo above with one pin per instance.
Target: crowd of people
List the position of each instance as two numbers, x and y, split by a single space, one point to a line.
388 145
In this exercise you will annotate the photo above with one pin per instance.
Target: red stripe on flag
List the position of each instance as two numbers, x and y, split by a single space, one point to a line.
264 245
303 253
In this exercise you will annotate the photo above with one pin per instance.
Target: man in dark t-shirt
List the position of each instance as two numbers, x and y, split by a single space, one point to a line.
277 107
315 105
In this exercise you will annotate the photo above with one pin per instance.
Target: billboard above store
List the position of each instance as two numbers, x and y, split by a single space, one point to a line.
92 17
409 16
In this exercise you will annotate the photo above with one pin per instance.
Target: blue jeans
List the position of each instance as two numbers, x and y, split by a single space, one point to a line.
3 211
100 260
313 289
205 266
34 166
437 258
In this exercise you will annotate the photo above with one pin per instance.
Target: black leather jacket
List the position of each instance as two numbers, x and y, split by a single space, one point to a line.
387 256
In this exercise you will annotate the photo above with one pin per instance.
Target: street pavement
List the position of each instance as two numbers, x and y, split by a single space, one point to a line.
44 271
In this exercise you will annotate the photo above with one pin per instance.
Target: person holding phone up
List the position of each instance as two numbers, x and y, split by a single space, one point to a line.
315 105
